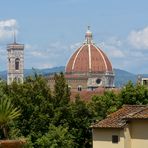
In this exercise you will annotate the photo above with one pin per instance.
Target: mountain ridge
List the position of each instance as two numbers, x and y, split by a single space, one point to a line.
121 76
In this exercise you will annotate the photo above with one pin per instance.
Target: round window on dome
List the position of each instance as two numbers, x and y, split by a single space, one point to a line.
98 81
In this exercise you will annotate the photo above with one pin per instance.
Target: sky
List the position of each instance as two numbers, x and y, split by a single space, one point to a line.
52 30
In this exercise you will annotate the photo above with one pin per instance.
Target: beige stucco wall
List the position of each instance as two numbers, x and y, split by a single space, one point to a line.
127 136
102 138
135 135
139 134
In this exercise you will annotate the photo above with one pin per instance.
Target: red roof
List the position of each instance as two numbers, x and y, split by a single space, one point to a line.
119 118
89 58
86 95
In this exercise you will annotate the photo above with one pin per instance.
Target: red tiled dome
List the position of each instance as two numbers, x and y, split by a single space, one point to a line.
89 58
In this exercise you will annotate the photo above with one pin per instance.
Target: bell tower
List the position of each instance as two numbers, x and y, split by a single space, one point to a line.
15 62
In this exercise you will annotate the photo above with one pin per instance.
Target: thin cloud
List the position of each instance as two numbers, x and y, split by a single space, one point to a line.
139 38
113 51
53 55
7 27
45 65
8 23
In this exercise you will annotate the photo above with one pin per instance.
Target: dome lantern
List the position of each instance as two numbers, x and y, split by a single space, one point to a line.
88 36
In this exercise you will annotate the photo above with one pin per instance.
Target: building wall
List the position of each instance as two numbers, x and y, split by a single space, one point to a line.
51 83
135 135
102 138
127 136
139 134
72 83
15 52
75 83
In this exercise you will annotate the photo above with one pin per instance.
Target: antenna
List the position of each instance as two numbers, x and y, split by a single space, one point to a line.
14 36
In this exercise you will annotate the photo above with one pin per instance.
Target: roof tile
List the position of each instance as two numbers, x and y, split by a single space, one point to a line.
119 118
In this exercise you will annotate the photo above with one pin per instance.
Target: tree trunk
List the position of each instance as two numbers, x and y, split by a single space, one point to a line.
5 132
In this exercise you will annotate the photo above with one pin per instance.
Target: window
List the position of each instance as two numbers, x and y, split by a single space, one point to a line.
145 82
115 139
98 81
79 88
17 61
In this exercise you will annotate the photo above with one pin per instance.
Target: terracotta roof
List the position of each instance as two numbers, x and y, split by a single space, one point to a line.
143 113
89 58
119 118
86 95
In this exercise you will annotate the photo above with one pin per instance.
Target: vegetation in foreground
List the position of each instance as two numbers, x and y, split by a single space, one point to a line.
52 120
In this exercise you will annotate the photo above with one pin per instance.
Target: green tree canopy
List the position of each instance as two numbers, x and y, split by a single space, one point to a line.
134 94
56 137
7 114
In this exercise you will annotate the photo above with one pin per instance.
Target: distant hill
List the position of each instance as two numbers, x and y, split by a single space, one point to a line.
45 71
121 76
3 75
28 72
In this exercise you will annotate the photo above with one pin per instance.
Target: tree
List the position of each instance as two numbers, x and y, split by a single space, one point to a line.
8 113
79 123
61 91
51 115
134 94
57 137
34 99
105 104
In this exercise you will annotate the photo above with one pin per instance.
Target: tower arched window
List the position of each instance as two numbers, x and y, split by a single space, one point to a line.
17 62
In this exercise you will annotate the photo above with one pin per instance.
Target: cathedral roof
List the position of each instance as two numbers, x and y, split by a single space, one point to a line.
88 58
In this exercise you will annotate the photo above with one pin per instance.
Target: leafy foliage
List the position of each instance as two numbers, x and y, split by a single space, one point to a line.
61 91
33 97
79 123
134 94
49 119
104 105
56 137
7 114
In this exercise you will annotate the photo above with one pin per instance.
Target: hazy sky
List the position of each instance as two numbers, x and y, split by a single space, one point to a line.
53 29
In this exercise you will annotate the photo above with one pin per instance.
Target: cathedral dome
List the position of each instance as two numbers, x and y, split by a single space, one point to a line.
88 58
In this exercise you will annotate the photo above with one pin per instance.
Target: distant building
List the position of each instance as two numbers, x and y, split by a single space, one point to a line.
144 81
125 128
88 68
15 62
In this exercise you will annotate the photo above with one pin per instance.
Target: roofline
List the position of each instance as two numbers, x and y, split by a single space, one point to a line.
125 105
108 127
135 118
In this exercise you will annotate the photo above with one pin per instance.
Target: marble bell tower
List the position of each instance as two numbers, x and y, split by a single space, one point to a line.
15 62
